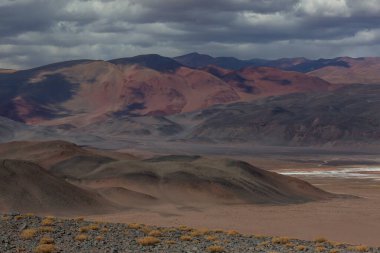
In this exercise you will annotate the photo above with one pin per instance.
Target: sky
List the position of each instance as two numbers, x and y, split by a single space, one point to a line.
37 32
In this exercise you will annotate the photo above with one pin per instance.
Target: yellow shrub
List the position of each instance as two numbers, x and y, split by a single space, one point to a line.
186 238
47 222
280 240
320 240
210 238
81 237
99 238
155 233
28 233
46 240
148 241
215 249
232 232
300 248
134 226
46 229
45 248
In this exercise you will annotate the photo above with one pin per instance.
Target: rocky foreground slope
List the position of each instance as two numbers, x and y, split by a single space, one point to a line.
29 233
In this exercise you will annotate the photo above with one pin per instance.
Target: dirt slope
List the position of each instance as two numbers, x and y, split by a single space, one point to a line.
26 187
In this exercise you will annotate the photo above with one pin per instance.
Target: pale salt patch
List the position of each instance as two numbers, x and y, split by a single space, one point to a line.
359 173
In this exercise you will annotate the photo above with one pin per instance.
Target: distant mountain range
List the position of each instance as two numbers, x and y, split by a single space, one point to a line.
277 102
83 91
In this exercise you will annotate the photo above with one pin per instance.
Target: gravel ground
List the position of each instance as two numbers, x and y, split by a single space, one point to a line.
29 233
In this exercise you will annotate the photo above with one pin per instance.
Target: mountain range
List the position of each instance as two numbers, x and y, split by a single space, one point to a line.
197 98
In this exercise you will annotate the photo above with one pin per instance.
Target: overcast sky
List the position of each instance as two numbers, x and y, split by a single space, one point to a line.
37 32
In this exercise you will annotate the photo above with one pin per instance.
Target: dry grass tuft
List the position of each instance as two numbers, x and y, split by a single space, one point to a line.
280 240
185 228
320 249
47 222
28 233
215 249
334 251
170 242
232 232
81 237
290 245
264 244
186 238
19 217
260 236
134 226
300 248
84 229
46 240
46 229
99 238
211 238
155 233
148 241
45 248
104 230
320 240
94 227
360 248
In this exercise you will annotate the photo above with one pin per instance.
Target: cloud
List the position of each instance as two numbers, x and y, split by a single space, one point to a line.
37 32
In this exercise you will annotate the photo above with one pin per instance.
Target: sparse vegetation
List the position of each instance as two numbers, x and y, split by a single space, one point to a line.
215 249
46 229
184 228
28 233
320 249
148 241
320 239
81 237
134 226
186 238
45 248
99 238
91 238
360 248
47 222
170 242
301 248
46 240
211 238
94 227
104 230
232 232
280 240
155 233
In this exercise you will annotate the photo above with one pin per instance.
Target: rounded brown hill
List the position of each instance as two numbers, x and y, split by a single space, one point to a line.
193 179
354 70
26 187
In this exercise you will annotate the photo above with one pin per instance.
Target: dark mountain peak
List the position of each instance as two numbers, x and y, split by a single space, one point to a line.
152 61
59 65
195 60
194 55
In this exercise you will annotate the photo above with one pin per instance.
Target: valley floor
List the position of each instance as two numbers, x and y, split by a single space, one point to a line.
355 221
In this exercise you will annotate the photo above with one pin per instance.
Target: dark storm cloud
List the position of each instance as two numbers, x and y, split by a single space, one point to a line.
35 32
